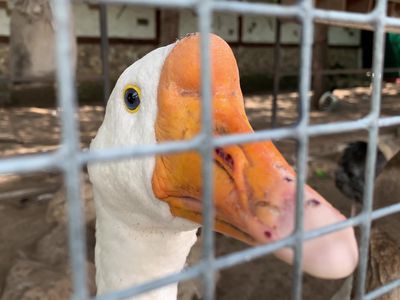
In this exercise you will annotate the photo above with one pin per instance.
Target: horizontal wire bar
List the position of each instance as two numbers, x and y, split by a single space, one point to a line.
349 71
385 211
35 162
29 192
160 3
268 134
141 150
388 121
311 130
31 162
267 9
382 290
344 16
392 22
183 275
225 261
262 135
83 77
292 132
219 263
246 255
329 17
230 260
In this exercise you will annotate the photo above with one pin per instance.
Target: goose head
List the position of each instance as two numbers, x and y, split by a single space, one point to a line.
158 99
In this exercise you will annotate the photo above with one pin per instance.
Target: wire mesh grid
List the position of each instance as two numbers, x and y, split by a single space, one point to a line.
69 158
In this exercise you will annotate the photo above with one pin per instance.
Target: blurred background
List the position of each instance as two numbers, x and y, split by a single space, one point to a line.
108 38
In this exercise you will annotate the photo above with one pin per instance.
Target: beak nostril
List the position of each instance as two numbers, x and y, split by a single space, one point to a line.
229 159
262 203
312 202
288 179
226 157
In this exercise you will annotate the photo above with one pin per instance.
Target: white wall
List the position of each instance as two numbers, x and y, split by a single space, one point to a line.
134 22
4 22
131 22
86 21
342 36
225 25
290 33
258 29
261 29
123 21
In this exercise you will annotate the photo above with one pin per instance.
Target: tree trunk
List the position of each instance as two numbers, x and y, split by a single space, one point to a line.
32 41
169 26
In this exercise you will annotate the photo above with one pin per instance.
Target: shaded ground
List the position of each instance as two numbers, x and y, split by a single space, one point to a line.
32 218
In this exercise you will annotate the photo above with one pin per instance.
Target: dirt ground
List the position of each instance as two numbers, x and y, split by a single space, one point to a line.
33 248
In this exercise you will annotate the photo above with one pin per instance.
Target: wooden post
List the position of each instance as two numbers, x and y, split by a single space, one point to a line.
169 26
277 74
319 63
105 63
361 6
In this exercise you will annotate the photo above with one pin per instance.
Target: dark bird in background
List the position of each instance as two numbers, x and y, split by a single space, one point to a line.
384 247
349 177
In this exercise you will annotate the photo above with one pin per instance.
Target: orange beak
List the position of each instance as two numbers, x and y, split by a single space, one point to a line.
254 186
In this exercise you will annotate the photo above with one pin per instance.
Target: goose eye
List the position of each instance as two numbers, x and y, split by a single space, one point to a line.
132 98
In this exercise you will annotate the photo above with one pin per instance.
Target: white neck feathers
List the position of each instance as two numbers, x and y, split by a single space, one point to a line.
137 238
129 255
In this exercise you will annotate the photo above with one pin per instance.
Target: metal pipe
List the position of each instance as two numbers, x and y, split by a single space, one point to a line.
35 162
206 149
70 147
379 49
307 34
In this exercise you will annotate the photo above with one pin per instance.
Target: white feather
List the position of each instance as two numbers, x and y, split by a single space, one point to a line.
137 238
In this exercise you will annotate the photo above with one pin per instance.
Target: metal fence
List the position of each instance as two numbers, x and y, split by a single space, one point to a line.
69 158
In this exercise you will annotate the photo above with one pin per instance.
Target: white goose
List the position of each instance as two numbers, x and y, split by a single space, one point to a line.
148 209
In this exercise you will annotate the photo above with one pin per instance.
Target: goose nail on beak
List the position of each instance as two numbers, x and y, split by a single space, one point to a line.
254 186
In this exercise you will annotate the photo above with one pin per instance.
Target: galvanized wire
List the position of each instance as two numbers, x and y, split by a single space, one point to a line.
70 146
52 160
307 34
379 49
206 149
69 158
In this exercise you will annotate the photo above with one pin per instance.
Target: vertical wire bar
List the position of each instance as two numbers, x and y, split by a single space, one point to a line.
365 227
277 73
204 12
302 149
104 50
70 146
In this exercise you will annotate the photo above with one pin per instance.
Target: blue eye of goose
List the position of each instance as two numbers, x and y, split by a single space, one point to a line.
132 99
